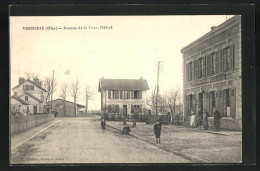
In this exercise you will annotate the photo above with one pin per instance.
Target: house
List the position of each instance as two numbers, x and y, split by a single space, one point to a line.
212 73
29 97
123 98
58 105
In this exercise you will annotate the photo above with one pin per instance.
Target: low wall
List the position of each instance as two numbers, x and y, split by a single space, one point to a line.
22 123
226 124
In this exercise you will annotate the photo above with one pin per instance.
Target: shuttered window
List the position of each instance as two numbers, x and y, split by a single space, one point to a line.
217 62
232 57
220 61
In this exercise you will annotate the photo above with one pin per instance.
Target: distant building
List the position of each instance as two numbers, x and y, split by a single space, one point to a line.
58 104
212 73
123 98
28 98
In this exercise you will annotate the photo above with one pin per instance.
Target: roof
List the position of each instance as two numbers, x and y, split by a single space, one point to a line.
79 105
213 30
32 83
32 96
122 84
20 100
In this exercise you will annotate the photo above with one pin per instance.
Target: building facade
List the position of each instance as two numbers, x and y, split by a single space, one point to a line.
123 98
28 98
58 105
212 73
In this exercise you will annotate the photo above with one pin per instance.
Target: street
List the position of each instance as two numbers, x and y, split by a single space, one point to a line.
81 140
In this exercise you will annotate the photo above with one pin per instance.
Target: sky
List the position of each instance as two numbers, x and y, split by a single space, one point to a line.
129 50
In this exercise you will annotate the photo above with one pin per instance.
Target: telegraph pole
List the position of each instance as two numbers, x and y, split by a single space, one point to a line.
52 88
158 68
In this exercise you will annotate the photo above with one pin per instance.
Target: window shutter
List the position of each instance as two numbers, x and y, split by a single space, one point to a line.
187 73
224 60
192 70
132 94
232 57
220 61
217 62
109 108
128 94
140 109
109 94
116 108
196 70
132 108
140 94
203 66
121 94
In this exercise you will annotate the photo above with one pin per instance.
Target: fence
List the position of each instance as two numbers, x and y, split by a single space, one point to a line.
22 123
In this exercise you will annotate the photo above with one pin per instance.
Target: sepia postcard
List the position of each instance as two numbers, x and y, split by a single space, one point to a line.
125 89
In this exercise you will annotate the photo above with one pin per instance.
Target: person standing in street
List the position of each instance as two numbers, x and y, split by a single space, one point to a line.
192 118
199 118
205 119
103 125
217 117
157 131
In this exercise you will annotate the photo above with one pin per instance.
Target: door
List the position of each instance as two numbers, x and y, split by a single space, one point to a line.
201 101
34 109
125 111
226 101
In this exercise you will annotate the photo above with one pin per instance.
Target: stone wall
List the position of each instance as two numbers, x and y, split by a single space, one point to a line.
22 123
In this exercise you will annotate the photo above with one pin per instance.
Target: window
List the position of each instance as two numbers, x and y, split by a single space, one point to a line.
31 88
26 98
113 94
137 94
201 68
189 72
136 109
26 87
113 108
124 94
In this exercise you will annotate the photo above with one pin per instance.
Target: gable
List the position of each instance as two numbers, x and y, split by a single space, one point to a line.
31 98
28 83
123 84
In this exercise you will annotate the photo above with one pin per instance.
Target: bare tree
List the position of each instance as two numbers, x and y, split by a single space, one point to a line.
88 94
63 95
173 99
162 102
31 75
47 84
74 90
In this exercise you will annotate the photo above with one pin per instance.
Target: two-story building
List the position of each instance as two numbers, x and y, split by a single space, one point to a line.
123 98
212 73
28 97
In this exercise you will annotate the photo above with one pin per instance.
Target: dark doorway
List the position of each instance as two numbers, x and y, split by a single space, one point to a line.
125 111
34 109
211 102
201 101
226 101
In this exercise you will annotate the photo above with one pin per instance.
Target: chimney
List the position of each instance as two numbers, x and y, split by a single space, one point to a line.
213 27
21 80
36 81
141 78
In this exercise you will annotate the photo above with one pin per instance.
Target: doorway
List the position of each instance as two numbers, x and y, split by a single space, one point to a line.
34 109
226 101
201 101
125 111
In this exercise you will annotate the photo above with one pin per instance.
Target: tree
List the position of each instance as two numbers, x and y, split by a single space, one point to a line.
63 95
47 84
31 75
88 94
173 99
74 90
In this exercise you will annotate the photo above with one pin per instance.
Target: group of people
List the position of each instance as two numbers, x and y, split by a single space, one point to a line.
126 129
201 118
